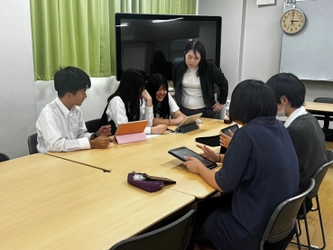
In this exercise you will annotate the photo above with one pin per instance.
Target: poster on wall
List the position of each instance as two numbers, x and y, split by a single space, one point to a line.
265 2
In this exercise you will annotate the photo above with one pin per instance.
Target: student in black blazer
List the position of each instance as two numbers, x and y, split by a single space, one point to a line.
194 80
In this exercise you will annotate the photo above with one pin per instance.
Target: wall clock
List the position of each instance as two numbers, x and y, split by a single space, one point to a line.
292 21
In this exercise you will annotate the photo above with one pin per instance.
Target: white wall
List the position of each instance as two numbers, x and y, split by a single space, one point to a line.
262 40
94 104
251 44
232 33
17 109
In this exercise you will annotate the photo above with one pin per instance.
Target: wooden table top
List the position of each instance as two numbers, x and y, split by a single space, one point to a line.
28 176
93 213
318 106
152 157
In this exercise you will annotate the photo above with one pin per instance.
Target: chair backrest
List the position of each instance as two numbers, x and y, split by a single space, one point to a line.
3 157
283 218
32 143
329 155
172 236
320 174
323 99
93 125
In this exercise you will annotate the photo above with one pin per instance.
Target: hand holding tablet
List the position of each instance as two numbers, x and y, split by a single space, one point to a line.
182 152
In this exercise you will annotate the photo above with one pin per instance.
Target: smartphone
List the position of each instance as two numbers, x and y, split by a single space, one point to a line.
233 129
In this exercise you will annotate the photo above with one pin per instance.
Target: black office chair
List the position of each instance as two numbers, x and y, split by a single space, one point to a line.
173 236
318 177
283 220
325 117
3 157
32 144
93 125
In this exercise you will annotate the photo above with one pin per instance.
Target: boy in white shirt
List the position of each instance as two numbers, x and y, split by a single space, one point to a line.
60 125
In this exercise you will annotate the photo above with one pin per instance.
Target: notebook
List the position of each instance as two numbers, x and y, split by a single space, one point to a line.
131 132
192 119
181 152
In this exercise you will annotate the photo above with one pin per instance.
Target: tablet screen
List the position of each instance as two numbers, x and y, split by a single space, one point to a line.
181 152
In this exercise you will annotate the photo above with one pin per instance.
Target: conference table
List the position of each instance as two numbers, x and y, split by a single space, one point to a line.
91 213
32 175
81 200
151 157
319 108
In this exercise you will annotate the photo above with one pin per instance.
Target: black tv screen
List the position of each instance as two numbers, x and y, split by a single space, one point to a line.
153 43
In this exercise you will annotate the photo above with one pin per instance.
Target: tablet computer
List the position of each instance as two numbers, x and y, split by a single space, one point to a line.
181 152
131 127
191 119
131 132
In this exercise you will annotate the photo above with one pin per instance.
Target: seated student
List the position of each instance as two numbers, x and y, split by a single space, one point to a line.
60 125
304 130
131 102
166 111
260 167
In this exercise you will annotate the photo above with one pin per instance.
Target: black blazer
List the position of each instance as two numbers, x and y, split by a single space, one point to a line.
213 75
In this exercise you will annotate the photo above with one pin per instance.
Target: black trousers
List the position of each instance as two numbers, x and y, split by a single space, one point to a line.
209 113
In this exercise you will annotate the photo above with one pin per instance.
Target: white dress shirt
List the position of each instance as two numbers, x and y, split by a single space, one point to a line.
297 112
60 129
116 111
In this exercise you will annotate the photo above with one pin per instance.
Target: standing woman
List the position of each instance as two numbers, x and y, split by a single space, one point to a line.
194 80
130 102
166 110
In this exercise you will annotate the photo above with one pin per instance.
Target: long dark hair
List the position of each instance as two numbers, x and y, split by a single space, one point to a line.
155 81
131 85
197 47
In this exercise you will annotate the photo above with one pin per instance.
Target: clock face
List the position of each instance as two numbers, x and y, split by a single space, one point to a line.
292 21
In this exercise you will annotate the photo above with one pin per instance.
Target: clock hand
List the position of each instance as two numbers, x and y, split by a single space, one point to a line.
292 17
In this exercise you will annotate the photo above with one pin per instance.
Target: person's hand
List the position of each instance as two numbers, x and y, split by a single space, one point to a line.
208 153
193 164
217 106
225 139
100 142
159 129
147 97
104 131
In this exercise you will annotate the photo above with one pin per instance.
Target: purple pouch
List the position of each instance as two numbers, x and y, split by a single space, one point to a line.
139 180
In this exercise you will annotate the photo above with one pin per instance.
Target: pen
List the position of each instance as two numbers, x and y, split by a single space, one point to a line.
170 130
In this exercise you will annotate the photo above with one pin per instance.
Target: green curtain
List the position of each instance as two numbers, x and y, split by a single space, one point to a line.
81 32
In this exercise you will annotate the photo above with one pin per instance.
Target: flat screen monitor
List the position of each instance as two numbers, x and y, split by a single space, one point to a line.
152 43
